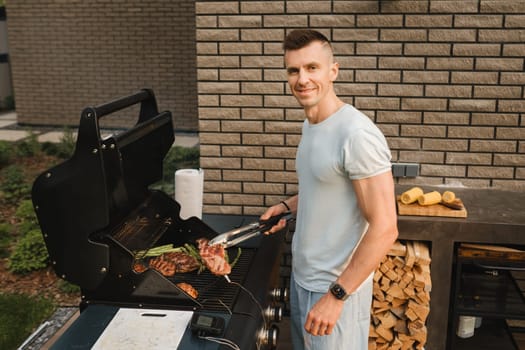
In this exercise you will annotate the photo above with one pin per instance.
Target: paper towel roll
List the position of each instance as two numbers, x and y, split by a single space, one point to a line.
188 192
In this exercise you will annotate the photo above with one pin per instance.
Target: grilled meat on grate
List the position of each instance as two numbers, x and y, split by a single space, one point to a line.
214 257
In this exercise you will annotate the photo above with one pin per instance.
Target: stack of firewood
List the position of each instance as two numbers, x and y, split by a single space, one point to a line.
401 301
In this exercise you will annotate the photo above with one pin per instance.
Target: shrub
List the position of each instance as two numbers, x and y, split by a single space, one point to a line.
14 186
25 213
29 254
5 239
177 158
67 287
65 148
6 152
29 146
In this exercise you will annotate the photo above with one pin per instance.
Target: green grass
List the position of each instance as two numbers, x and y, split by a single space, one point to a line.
19 315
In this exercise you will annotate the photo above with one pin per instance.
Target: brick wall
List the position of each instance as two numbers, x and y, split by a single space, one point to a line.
443 80
67 55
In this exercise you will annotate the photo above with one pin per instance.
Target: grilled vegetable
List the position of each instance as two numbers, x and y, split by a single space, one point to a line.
429 198
411 195
448 197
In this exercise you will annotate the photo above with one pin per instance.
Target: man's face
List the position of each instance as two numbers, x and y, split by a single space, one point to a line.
311 72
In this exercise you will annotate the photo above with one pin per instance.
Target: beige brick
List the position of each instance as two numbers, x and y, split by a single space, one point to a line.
271 48
242 126
389 129
377 103
220 138
262 113
212 198
511 106
428 21
403 143
521 147
239 21
243 199
450 63
286 21
377 76
379 49
280 176
492 146
218 88
262 7
425 77
490 172
502 6
207 74
217 61
404 35
241 101
242 151
423 130
500 64
472 105
280 101
280 152
474 78
222 209
456 7
478 21
220 163
468 158
452 35
209 151
263 34
243 175
345 75
514 21
355 89
495 119
466 132
514 50
445 145
379 21
355 34
400 90
240 74
216 7
284 127
357 62
219 113
222 187
448 91
497 91
332 21
401 62
520 173
509 159
447 118
509 185
476 49
421 156
421 49
442 170
343 48
269 139
262 88
510 133
319 6
515 78
208 100
434 104
209 126
356 6
400 117
404 6
206 22
217 34
263 163
240 48
263 188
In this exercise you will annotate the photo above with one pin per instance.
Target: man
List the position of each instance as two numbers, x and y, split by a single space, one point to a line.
346 217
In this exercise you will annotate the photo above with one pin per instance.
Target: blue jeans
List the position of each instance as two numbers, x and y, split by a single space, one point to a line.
351 330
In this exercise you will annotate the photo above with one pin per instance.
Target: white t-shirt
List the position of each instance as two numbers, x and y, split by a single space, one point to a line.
346 146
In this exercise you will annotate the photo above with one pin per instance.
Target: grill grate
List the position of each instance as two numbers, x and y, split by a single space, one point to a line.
215 293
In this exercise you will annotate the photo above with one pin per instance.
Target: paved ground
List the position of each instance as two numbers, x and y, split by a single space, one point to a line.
11 131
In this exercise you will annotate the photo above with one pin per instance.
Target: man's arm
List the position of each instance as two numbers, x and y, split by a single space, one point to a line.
376 199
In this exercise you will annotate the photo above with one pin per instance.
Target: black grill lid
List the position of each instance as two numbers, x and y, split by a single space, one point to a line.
83 201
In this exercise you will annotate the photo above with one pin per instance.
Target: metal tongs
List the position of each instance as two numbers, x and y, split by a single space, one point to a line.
243 233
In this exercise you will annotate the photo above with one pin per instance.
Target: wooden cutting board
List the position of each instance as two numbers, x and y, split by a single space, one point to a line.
430 210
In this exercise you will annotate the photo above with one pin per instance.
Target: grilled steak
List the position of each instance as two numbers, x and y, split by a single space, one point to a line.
176 262
188 289
165 267
214 257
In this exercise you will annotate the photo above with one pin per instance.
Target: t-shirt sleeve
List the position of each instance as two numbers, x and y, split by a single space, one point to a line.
366 154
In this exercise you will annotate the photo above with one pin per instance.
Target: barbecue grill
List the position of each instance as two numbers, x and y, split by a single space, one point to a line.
97 210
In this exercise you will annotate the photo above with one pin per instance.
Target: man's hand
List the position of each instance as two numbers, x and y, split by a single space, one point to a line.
323 316
272 211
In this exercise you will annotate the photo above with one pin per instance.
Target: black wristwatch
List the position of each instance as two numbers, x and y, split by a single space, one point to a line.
338 291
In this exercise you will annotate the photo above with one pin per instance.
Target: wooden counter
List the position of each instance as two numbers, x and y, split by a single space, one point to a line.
494 217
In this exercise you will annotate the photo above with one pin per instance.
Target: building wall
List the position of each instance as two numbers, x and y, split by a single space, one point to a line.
67 55
5 75
443 80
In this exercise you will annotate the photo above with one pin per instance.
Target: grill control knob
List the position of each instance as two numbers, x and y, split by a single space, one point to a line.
274 314
280 294
268 337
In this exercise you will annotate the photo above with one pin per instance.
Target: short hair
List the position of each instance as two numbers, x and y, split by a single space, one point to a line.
299 38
